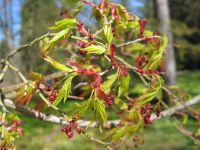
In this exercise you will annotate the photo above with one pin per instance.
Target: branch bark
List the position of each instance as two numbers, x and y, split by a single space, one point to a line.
84 123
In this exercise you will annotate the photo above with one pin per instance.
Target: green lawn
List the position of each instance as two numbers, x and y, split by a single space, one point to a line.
160 136
189 81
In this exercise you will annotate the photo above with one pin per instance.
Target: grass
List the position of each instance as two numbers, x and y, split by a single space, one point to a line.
162 135
190 82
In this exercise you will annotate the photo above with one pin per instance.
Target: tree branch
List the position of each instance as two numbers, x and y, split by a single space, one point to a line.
84 123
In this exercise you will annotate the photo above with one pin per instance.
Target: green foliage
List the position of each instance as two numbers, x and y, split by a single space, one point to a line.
65 90
118 133
108 33
56 39
151 92
95 49
98 108
63 24
155 57
107 85
124 85
91 72
57 65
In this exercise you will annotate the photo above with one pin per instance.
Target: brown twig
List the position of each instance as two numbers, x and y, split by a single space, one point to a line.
84 123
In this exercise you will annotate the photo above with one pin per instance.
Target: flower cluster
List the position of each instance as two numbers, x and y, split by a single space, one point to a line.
146 112
95 83
48 88
69 129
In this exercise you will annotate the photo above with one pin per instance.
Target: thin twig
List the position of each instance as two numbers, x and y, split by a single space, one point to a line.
4 111
27 46
137 40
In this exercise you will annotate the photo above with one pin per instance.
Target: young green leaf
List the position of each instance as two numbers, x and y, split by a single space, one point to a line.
65 90
155 57
118 133
108 33
55 40
150 93
107 85
57 65
95 49
124 84
99 110
98 107
123 12
63 24
81 109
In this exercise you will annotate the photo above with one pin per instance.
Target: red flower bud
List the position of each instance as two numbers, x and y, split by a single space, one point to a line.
142 23
70 134
78 129
114 12
112 49
158 112
103 5
147 120
82 29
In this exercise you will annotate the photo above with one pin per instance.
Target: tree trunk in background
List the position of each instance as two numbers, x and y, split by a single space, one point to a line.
7 26
164 27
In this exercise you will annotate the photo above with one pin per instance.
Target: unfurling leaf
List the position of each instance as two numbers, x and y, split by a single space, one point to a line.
98 107
63 24
57 65
150 93
118 133
65 90
108 33
35 76
55 40
81 109
124 84
156 56
95 49
107 85
123 12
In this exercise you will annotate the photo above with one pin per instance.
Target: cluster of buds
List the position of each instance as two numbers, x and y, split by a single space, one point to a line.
103 7
96 82
154 40
140 61
114 12
82 29
146 112
122 68
69 129
137 141
158 112
142 23
48 89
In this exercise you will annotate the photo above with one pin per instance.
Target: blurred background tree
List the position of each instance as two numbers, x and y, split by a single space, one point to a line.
37 16
185 16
